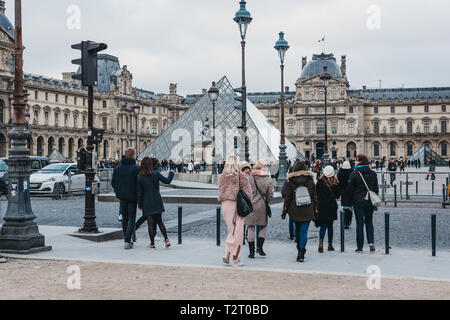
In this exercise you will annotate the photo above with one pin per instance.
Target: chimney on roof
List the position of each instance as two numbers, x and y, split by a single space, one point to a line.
204 91
2 7
303 62
364 87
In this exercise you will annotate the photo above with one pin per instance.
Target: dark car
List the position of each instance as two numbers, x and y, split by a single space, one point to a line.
37 163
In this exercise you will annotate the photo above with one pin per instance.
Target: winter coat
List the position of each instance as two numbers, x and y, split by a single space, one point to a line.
343 177
392 166
356 190
303 213
228 186
258 217
327 204
148 195
124 180
284 189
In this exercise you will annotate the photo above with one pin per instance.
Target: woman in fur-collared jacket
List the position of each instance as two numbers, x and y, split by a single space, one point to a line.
228 189
301 215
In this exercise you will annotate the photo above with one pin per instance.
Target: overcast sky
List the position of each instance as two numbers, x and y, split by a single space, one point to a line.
193 42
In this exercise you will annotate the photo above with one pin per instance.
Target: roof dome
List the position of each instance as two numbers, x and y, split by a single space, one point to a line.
4 21
315 67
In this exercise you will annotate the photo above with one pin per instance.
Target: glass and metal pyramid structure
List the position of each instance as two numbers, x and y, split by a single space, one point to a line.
426 155
184 139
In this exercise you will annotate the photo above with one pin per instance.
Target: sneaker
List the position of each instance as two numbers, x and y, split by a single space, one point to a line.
226 259
237 263
358 251
127 245
152 246
120 217
167 243
372 247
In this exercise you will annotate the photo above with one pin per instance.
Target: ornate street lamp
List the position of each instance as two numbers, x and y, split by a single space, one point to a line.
325 77
137 109
213 94
243 19
19 233
282 47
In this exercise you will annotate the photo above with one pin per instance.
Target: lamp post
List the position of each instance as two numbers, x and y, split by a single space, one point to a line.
282 47
205 129
19 233
213 94
243 19
137 109
325 77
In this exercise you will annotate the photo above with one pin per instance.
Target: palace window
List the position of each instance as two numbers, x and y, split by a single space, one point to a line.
333 110
426 109
307 127
154 128
291 110
75 100
392 126
84 102
375 109
35 118
392 109
291 128
409 127
334 127
409 149
46 118
376 149
444 108
56 97
46 96
376 127
66 99
83 124
444 148
350 110
75 121
153 110
393 148
104 104
35 95
443 126
56 119
320 127
306 110
426 126
66 119
104 123
270 113
351 127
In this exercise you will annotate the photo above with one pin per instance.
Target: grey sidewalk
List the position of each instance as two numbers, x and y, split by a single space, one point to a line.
280 256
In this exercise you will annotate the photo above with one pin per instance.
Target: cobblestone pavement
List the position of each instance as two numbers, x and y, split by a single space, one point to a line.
410 224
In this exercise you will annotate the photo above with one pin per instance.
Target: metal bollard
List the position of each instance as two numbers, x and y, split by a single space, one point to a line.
401 189
432 187
443 193
180 223
395 195
386 232
243 241
218 226
407 187
417 188
342 231
433 234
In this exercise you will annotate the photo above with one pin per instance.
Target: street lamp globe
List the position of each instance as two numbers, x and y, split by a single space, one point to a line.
243 19
325 76
213 93
281 46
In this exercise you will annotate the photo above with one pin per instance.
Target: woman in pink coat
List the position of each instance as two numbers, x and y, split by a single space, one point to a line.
228 189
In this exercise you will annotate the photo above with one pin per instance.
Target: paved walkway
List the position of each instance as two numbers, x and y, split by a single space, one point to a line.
280 256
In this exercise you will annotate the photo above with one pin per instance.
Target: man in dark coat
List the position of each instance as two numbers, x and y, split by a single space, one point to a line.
343 177
355 195
124 184
392 167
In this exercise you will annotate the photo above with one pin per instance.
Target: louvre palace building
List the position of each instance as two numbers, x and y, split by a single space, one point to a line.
377 122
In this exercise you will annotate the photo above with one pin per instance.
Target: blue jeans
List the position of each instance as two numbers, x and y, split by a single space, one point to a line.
120 208
301 233
363 214
291 227
323 228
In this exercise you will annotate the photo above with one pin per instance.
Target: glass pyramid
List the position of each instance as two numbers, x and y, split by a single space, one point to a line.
426 155
184 140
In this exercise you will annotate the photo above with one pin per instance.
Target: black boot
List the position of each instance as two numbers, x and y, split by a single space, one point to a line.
299 251
301 254
251 246
259 248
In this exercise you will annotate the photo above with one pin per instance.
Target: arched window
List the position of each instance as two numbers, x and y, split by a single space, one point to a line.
40 146
444 148
409 148
376 149
351 127
154 128
393 149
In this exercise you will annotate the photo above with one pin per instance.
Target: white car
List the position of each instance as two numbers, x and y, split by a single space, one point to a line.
57 176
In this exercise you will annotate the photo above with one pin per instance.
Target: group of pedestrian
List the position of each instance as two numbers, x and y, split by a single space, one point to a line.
137 187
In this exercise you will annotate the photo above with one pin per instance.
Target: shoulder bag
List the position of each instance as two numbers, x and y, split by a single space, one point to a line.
268 209
376 202
243 204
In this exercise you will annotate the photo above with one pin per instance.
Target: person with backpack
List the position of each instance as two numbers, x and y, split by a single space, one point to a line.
283 194
328 191
361 181
343 176
301 204
149 198
230 182
262 194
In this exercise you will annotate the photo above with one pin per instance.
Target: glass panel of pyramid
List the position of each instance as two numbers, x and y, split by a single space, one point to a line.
183 140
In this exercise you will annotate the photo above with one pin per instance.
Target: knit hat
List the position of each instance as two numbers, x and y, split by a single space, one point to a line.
346 165
328 171
245 165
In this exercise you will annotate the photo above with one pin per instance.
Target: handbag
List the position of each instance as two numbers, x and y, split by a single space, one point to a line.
243 204
376 202
268 209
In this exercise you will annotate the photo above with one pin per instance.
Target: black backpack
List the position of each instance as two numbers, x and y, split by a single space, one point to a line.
243 204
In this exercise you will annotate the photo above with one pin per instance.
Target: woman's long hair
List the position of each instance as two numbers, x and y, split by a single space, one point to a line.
232 165
146 167
330 182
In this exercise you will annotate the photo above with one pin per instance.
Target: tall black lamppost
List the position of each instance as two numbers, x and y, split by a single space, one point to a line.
282 47
325 77
137 109
243 19
20 233
213 93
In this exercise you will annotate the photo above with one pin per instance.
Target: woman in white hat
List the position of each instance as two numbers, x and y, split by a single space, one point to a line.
343 177
328 191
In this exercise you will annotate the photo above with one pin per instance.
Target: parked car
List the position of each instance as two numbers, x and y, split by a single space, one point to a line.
57 176
37 163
